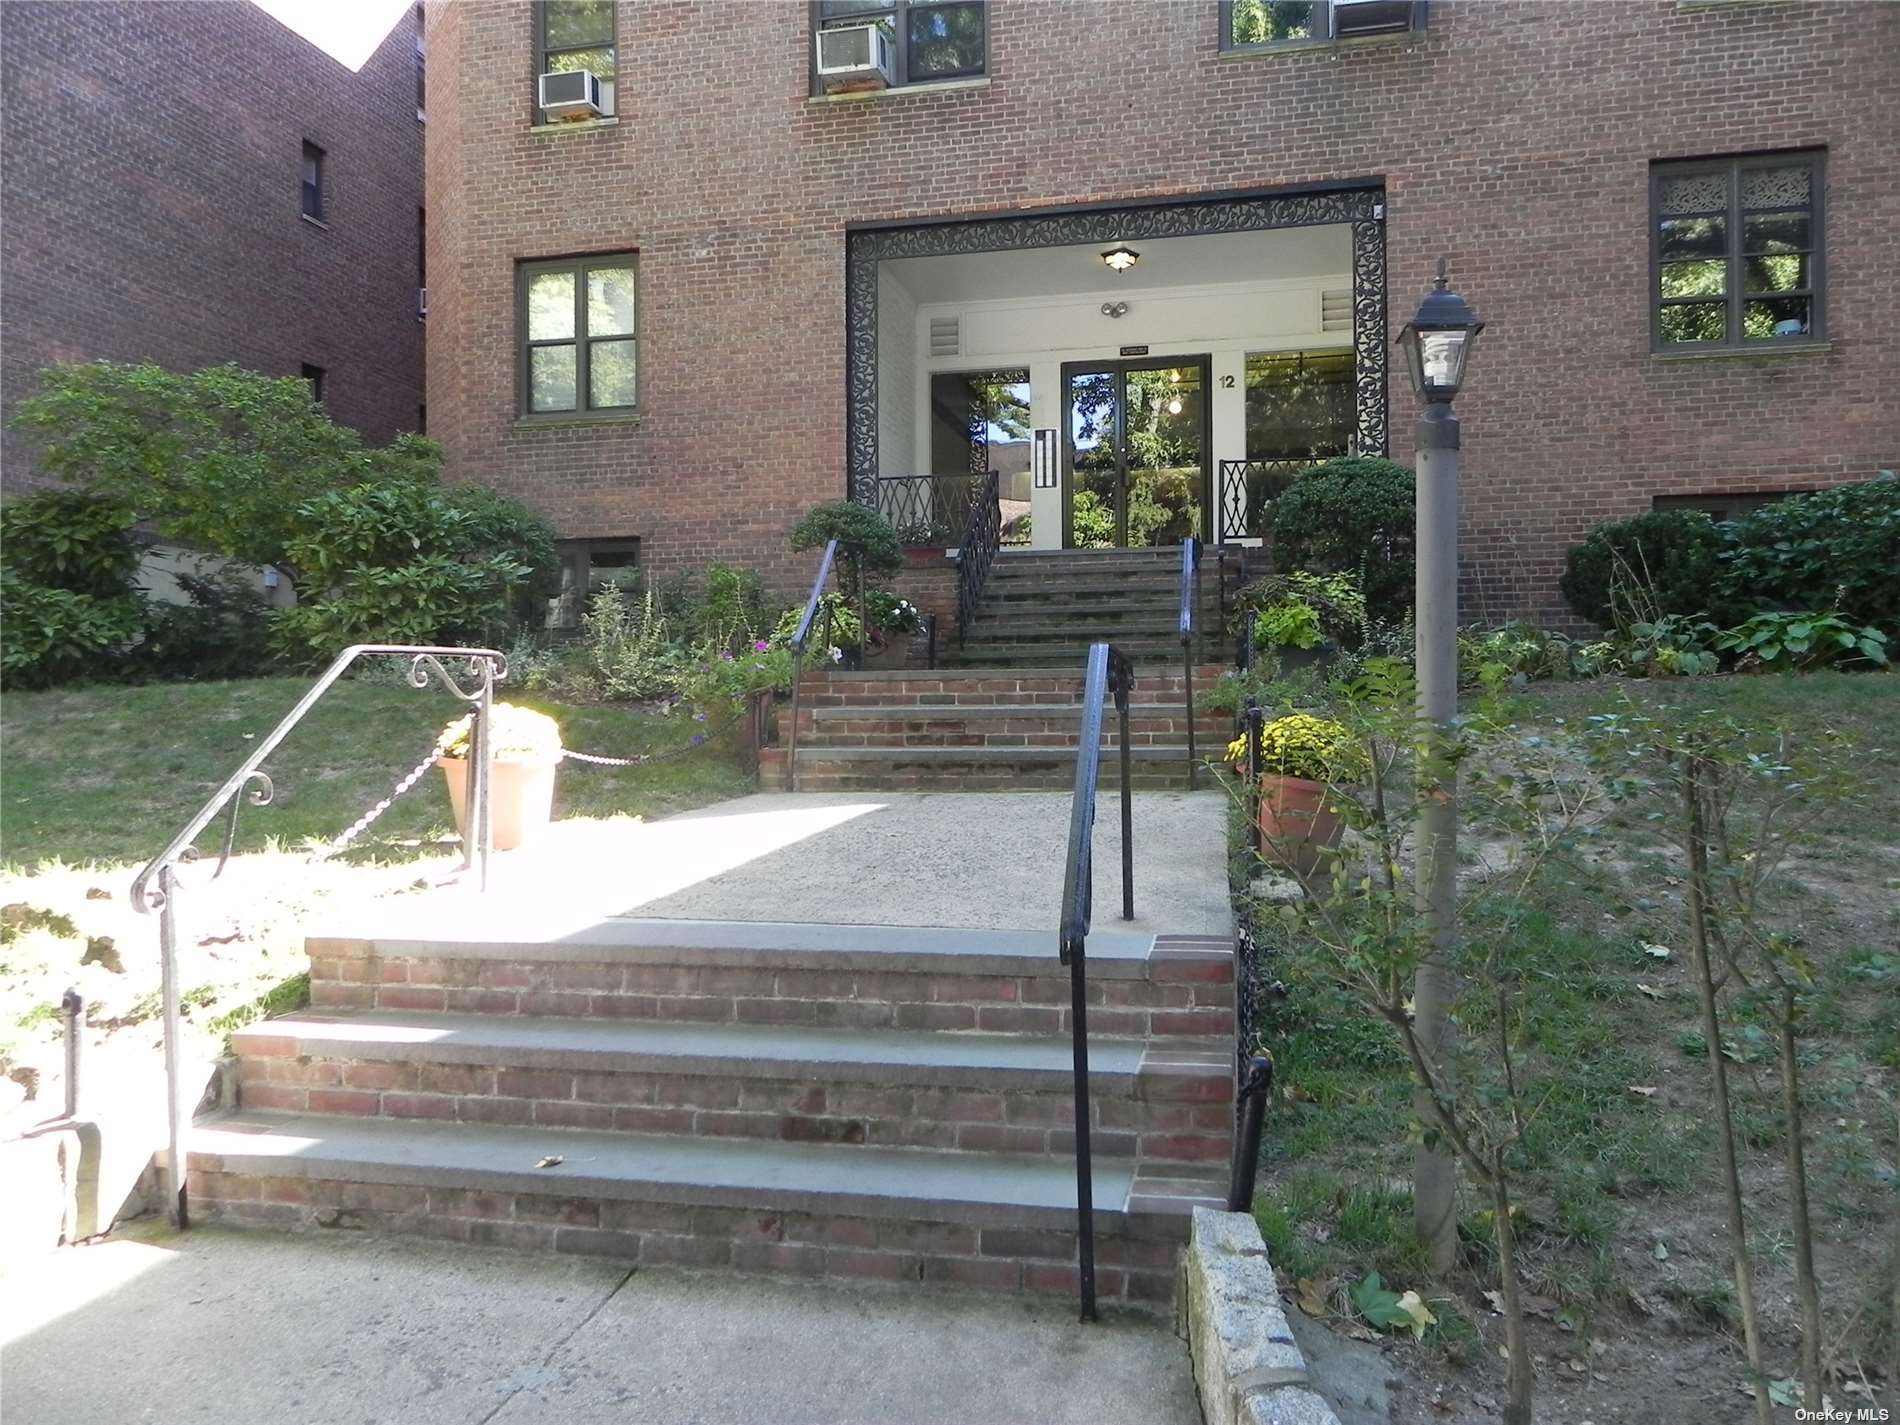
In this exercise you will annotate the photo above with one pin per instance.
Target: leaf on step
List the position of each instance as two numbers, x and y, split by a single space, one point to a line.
553 1160
1377 1305
1786 1391
1649 990
1314 1293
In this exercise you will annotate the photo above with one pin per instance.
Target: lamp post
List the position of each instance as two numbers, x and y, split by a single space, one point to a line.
1437 343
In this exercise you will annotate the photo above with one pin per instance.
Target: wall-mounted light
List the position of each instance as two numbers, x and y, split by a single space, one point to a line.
1114 309
1121 257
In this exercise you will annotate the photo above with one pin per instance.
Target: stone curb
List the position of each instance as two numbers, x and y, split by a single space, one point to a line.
1247 1366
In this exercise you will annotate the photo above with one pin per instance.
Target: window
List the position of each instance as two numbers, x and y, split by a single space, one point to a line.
314 376
1276 24
1735 252
1300 405
422 88
930 41
575 34
312 182
577 325
1721 508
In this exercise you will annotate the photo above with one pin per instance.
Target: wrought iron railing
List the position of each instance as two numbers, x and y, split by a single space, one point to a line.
1253 1065
1110 674
982 537
799 640
1190 602
155 888
1247 487
927 511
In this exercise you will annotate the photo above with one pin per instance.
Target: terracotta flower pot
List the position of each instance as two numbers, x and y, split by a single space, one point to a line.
520 798
893 652
1297 827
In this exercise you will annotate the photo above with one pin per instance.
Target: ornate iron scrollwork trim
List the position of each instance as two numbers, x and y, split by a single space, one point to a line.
1363 208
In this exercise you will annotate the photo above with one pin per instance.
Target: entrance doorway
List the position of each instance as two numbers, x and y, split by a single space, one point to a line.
1137 452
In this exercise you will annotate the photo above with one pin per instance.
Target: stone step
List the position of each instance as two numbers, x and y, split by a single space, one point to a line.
1006 1093
1079 629
1037 680
763 972
991 1221
997 725
1149 654
985 769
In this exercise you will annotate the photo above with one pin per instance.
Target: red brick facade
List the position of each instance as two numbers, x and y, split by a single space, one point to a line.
1513 138
152 203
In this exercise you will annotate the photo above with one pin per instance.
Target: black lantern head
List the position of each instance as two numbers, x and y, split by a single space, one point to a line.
1438 341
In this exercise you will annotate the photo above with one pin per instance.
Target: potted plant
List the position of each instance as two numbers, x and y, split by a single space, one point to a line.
893 620
1304 618
1300 755
524 748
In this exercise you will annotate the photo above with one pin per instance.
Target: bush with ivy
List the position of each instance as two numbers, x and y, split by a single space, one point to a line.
68 603
867 544
1649 566
1835 550
1353 515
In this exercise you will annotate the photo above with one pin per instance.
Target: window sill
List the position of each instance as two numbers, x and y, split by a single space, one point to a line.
579 126
630 419
1747 353
1290 47
899 91
314 222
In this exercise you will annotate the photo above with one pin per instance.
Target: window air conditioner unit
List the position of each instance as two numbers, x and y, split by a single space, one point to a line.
571 94
854 57
1371 17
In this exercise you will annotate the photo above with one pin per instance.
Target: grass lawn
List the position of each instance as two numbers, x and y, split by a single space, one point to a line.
98 779
1622 1238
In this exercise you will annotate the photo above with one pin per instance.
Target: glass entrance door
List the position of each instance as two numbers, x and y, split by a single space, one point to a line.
1137 447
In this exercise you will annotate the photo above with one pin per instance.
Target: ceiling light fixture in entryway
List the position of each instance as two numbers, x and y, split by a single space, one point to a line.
1121 257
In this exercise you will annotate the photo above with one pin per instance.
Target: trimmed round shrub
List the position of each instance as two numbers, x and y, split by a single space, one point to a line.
867 544
1833 550
1651 565
1355 515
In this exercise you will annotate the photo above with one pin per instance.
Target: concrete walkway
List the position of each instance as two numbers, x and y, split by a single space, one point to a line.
972 860
215 1327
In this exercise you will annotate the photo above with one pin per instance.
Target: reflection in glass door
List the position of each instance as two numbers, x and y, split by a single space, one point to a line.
1137 436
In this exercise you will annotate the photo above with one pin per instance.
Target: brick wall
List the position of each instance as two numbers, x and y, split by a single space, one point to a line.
150 170
1513 138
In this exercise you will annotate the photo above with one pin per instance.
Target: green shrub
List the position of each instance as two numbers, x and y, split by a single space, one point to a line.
733 612
843 625
1791 641
57 636
1301 609
66 539
1836 549
628 646
67 601
223 631
717 686
1650 566
867 545
404 563
1354 515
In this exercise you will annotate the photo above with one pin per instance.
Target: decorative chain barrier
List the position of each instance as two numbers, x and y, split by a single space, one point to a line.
415 774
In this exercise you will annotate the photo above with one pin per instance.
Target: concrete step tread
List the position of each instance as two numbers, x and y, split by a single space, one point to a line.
759 1051
400 929
1154 752
856 1180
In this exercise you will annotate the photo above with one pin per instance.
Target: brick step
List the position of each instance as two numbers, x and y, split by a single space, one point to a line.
1018 593
1040 680
763 972
1001 1093
1168 555
996 725
982 769
983 1220
1148 653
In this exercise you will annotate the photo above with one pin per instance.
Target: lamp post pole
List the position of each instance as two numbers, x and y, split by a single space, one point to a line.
1437 345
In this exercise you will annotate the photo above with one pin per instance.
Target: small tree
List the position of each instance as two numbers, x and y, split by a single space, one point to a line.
867 545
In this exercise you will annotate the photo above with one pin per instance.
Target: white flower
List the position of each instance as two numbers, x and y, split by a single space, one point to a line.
837 654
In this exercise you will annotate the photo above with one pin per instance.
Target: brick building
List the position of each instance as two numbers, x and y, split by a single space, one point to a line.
726 292
156 167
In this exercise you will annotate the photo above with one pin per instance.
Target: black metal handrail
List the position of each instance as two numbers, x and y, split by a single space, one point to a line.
1247 487
487 666
982 537
1190 599
799 640
1109 674
928 510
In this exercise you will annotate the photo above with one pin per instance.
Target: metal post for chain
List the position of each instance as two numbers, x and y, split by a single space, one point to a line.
73 1008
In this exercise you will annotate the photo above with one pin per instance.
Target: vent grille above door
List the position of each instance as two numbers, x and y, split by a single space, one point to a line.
1335 311
946 336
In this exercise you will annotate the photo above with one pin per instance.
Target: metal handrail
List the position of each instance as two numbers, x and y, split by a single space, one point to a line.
1109 674
1190 598
799 640
982 537
487 665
